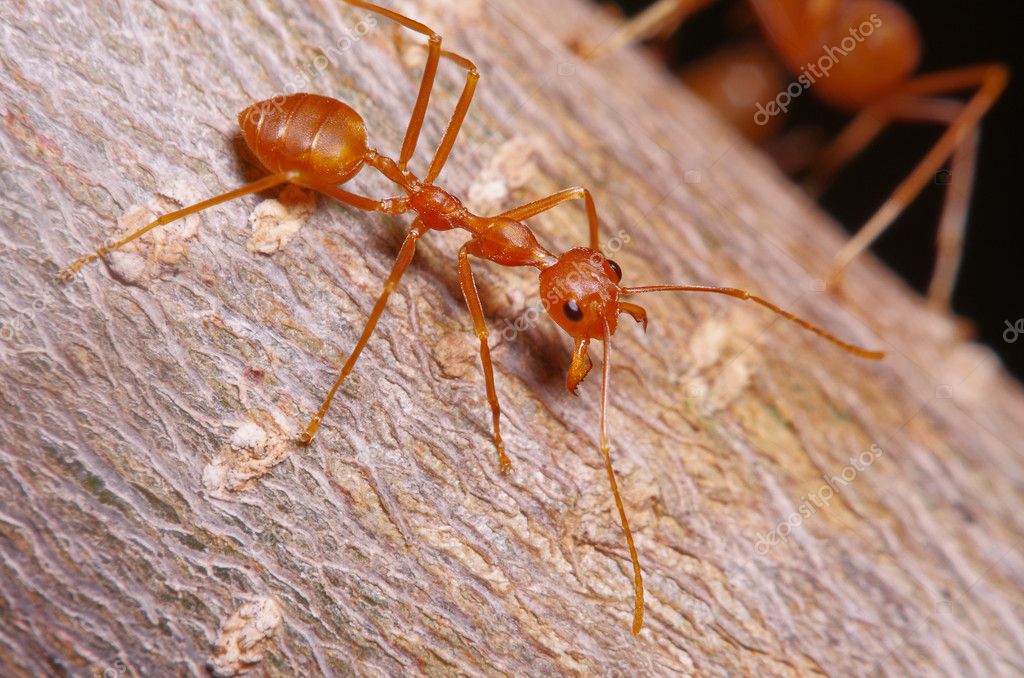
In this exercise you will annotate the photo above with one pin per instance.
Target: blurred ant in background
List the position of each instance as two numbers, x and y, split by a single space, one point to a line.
859 57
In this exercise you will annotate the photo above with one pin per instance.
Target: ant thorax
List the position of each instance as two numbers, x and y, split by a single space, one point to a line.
439 209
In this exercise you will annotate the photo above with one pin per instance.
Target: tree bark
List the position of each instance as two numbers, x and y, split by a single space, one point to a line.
796 510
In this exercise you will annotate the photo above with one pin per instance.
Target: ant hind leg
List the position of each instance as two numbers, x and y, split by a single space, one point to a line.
458 117
255 187
434 55
402 262
419 111
953 223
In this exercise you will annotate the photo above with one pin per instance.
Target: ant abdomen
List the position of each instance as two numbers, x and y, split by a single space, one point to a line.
870 48
322 139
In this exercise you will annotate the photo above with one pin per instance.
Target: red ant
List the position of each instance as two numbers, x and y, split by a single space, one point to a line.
319 143
875 81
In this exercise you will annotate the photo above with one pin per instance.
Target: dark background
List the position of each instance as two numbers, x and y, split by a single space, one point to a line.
990 289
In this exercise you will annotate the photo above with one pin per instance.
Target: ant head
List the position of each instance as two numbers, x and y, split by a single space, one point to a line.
581 293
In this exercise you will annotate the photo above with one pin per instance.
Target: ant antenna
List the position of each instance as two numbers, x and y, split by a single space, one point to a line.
743 294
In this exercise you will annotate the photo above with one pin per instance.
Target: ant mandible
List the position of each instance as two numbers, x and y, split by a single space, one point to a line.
321 143
876 82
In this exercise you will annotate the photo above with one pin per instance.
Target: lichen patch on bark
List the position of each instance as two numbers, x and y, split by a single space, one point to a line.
275 221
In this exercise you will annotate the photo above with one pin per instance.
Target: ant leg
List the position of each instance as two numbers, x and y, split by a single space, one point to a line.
534 208
853 139
388 205
477 311
990 82
953 223
405 256
866 127
661 18
419 111
638 580
255 187
455 124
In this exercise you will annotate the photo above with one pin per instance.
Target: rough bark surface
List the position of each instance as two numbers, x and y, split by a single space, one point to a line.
157 518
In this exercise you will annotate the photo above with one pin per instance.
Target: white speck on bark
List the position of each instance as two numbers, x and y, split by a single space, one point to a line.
249 435
242 640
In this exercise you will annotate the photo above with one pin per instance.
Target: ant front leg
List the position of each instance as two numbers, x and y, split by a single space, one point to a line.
476 310
419 111
534 208
989 82
402 262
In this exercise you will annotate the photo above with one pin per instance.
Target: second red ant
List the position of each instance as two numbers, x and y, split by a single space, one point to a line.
872 49
321 143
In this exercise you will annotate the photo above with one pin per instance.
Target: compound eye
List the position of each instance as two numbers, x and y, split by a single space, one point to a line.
616 269
572 311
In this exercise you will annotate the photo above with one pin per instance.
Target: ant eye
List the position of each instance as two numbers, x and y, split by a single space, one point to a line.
616 269
572 311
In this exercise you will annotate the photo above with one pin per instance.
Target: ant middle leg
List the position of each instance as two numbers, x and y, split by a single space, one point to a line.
534 208
388 205
476 310
402 262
